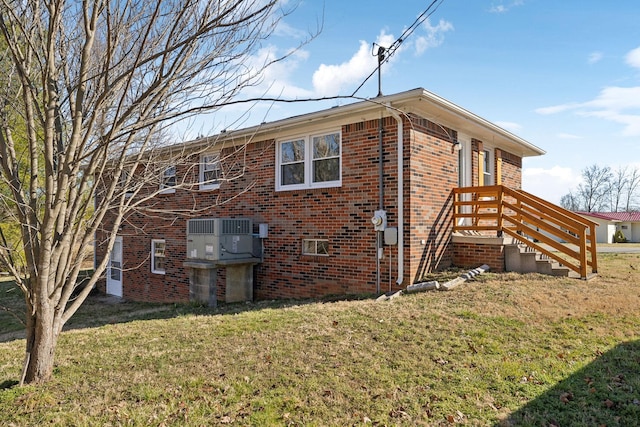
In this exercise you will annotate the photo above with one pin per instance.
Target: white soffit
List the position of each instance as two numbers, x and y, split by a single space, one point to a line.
419 101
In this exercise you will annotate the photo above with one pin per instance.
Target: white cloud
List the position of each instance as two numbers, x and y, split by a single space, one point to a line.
568 136
554 109
434 36
333 79
503 8
285 30
631 122
595 57
633 58
329 80
615 104
550 184
276 78
610 100
617 98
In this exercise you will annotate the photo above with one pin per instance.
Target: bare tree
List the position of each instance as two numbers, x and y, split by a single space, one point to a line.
88 87
593 193
618 187
633 180
604 190
570 202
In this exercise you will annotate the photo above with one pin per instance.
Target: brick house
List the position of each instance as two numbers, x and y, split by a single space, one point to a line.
319 182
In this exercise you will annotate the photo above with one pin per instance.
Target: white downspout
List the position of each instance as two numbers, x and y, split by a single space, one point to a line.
400 195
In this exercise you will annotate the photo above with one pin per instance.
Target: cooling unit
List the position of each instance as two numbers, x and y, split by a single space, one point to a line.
219 239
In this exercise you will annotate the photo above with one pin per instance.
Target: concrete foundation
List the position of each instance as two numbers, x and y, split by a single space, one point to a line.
202 283
203 278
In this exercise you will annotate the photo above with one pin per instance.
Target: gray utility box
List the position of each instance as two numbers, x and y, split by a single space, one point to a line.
220 239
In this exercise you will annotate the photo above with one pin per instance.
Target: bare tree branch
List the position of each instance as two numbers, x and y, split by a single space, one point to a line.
89 89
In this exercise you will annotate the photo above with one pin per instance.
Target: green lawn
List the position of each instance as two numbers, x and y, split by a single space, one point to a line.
499 350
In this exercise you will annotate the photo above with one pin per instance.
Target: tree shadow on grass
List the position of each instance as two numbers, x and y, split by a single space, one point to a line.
100 309
8 384
604 393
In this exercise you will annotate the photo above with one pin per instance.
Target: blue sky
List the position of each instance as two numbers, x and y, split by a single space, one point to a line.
564 75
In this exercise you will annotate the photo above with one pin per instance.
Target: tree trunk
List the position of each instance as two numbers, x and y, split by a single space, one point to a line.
42 338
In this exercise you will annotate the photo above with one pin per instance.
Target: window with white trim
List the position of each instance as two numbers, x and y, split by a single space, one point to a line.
125 184
315 247
487 167
210 172
158 256
309 162
168 180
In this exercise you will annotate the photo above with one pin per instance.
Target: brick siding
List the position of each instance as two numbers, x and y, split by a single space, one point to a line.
341 215
472 255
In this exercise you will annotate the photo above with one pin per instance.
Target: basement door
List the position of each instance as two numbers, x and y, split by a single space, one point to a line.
114 269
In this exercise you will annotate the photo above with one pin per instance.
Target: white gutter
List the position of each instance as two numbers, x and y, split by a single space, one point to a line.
400 195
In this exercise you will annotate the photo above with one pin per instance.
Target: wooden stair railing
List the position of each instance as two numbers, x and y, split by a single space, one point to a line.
531 220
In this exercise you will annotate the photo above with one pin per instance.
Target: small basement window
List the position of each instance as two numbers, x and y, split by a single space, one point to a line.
158 256
315 247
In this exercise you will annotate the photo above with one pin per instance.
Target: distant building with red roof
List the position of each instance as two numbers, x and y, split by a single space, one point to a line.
611 222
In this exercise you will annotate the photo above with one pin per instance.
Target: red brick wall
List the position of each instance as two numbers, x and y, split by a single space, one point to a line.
511 170
472 255
341 215
432 173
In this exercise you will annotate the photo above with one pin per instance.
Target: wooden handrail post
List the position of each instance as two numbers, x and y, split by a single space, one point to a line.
500 199
583 252
594 255
532 220
456 208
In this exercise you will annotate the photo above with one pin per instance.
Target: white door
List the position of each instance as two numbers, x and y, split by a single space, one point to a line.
114 269
464 173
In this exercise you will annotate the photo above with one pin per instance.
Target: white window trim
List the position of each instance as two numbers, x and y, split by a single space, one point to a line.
167 189
308 164
153 255
489 177
210 185
127 189
315 241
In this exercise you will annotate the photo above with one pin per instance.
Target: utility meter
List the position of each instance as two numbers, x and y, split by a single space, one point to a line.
379 220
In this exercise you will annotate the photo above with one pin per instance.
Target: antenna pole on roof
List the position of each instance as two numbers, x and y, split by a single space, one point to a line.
380 54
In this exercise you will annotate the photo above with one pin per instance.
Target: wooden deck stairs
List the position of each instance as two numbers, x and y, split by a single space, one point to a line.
538 236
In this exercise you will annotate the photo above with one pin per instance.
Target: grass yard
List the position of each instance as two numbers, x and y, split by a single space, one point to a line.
500 350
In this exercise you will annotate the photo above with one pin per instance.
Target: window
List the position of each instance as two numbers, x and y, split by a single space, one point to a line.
487 167
168 180
126 184
292 162
309 162
158 256
210 172
315 247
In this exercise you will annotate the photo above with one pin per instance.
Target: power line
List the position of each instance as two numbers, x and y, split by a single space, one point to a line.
384 54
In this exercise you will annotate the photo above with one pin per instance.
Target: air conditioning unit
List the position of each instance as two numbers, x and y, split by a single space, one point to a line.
218 239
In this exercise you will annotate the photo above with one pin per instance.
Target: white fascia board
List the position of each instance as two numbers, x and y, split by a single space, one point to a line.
419 101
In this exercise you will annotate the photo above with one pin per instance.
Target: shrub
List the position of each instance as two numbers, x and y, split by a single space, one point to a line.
618 237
